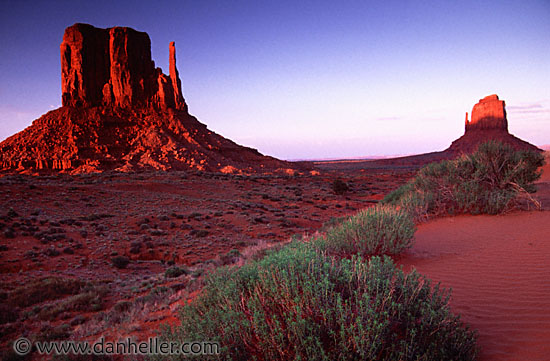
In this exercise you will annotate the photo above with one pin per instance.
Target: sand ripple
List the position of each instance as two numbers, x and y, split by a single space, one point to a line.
499 270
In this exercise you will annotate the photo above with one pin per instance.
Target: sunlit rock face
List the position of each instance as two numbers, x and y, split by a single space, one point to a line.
120 113
488 122
113 67
489 113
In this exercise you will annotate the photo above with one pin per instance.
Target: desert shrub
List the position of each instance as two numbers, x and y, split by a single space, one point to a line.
333 222
339 186
122 306
230 257
157 294
381 230
175 271
89 301
44 289
491 180
120 261
300 304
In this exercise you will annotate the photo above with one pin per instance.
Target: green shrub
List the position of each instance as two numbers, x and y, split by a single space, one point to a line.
300 304
491 180
333 222
381 230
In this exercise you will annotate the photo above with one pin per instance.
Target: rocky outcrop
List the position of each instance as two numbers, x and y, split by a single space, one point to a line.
96 139
489 113
488 122
113 67
121 113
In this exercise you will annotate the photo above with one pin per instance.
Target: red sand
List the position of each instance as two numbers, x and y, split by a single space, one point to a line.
499 271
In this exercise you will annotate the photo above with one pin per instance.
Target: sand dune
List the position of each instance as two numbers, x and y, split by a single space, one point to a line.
498 268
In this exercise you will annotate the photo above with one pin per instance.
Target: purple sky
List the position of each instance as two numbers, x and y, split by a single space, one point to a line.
317 79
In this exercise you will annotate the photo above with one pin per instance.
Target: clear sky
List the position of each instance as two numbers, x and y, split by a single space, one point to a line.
309 79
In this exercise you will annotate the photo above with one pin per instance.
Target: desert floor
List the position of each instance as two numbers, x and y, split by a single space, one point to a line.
72 227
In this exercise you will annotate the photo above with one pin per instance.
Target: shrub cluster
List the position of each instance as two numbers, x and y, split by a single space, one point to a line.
335 298
175 271
491 180
381 230
44 289
298 303
339 186
120 261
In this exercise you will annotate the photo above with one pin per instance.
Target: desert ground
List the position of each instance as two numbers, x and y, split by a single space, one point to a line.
71 227
174 227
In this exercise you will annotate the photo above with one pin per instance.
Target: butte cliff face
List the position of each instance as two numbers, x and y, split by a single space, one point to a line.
488 122
113 67
121 113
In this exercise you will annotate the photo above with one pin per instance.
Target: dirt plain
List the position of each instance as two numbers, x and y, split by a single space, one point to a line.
62 227
174 227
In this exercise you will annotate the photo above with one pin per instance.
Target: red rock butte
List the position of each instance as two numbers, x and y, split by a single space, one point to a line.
488 122
113 67
489 113
122 113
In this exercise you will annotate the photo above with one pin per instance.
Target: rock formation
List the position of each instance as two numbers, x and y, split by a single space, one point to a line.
489 113
113 67
488 122
121 113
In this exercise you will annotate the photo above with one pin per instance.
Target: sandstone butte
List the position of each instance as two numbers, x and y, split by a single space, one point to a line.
488 122
120 112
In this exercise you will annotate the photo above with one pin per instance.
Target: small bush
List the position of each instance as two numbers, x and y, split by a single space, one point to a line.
491 180
333 222
120 261
381 230
298 304
230 257
175 271
339 186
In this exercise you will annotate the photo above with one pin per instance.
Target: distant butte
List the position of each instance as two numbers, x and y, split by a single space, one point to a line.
122 113
488 122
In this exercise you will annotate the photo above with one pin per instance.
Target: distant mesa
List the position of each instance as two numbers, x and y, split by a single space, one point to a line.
122 113
488 122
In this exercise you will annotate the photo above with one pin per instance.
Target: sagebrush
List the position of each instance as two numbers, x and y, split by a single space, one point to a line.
491 180
381 230
300 304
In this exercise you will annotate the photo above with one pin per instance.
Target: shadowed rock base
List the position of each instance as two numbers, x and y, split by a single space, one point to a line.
83 140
